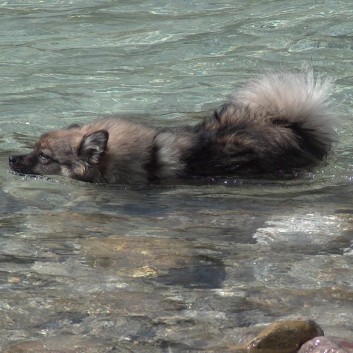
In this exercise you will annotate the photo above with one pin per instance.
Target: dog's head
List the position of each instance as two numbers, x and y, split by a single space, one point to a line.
68 152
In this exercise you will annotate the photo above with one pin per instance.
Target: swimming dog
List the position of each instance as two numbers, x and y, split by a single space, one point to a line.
280 122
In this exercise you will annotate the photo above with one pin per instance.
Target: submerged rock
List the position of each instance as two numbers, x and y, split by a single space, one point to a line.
322 345
169 261
281 337
284 336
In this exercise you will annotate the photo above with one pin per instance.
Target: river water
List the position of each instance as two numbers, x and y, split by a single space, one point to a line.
173 268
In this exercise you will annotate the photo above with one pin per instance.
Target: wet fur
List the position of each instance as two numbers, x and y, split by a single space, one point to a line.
280 122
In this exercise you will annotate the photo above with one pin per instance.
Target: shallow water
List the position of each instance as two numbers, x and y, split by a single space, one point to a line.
172 268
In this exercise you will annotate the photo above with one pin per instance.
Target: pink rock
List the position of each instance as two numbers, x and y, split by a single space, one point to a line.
321 345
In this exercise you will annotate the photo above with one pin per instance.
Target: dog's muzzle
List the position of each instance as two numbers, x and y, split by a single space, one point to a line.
16 164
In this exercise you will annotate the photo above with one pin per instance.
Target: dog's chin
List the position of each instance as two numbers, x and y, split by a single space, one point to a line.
21 171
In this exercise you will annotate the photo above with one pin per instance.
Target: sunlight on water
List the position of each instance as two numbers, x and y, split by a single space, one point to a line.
175 267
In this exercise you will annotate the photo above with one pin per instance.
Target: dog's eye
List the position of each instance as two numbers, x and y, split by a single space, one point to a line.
44 158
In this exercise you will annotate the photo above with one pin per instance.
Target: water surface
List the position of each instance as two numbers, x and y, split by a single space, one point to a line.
173 268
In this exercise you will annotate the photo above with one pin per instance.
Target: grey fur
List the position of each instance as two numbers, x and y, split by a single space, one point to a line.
280 122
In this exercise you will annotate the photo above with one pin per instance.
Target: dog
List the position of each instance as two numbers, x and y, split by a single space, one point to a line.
281 122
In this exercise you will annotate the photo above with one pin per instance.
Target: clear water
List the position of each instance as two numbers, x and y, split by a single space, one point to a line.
88 268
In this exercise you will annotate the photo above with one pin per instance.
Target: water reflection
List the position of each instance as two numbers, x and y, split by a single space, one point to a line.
183 264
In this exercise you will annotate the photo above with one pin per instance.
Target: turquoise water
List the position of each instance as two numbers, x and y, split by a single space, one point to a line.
88 268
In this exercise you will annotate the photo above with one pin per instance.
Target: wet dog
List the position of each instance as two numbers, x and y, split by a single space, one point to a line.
281 122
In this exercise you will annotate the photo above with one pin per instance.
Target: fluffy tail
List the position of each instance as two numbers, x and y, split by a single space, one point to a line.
279 122
297 99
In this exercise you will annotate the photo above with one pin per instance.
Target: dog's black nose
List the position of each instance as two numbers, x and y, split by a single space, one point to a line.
13 159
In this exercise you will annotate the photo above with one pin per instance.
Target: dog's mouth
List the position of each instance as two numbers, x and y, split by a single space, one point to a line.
15 172
30 176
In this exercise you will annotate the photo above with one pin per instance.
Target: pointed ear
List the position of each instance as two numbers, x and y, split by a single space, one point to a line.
92 146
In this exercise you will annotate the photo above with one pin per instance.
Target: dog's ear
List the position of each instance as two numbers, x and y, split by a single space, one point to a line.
92 146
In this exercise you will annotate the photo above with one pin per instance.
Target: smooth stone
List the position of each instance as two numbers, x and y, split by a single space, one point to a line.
284 336
281 337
